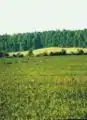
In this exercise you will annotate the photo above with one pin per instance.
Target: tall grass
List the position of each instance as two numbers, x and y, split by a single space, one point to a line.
43 88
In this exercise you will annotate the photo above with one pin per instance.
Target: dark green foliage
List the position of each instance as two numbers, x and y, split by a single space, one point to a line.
45 54
54 53
4 54
85 117
85 53
80 52
19 55
72 53
30 52
26 41
63 52
14 55
1 54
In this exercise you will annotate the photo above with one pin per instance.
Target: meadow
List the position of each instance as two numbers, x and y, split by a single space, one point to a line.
43 88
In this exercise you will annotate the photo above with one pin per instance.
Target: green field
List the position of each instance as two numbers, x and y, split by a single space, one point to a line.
43 88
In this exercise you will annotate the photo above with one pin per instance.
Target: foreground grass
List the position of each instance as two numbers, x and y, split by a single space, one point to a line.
41 88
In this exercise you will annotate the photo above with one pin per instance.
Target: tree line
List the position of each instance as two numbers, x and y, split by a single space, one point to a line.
35 40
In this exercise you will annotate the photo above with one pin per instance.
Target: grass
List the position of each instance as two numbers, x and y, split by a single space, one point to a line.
39 88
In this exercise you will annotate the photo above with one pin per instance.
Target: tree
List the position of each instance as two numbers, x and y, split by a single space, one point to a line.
36 40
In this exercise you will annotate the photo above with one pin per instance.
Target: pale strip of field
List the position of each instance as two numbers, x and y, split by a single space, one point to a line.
50 49
22 52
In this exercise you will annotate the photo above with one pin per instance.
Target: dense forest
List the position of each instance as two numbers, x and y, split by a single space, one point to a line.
35 40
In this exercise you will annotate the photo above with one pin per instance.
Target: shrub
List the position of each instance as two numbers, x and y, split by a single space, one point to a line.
54 53
45 54
14 55
30 52
8 62
80 52
1 54
73 53
85 53
4 54
20 55
63 52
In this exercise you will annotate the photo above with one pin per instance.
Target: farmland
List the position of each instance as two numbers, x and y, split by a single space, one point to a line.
51 49
48 87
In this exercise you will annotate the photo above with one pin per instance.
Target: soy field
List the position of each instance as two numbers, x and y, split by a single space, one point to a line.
43 88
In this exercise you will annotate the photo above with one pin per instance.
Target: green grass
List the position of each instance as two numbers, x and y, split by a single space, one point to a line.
39 88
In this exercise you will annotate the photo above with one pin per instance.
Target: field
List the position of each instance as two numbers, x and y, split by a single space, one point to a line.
50 49
43 88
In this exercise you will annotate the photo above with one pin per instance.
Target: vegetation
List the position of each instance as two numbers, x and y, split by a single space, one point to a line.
45 87
36 40
19 55
30 52
80 52
52 51
38 88
62 52
4 54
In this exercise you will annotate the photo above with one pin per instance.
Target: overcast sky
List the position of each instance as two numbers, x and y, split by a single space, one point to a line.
38 15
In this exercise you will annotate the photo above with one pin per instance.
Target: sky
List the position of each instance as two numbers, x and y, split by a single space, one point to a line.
18 16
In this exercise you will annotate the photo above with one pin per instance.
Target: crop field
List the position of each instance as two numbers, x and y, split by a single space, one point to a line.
43 88
50 49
